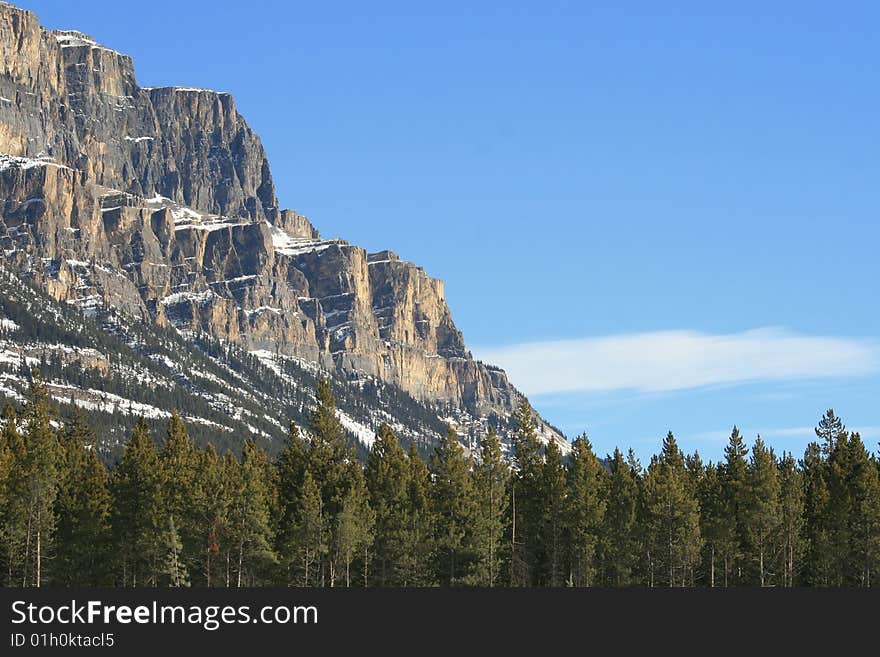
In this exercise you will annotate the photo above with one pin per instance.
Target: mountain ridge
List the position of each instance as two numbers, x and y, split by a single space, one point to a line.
159 202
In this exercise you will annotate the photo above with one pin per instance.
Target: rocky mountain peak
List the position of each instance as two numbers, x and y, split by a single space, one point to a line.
159 201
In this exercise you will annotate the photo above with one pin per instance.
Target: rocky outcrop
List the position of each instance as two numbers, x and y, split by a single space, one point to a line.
160 202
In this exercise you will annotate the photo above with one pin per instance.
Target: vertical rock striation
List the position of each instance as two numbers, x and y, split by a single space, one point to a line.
160 202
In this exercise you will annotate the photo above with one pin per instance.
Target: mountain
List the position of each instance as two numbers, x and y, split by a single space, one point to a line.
152 211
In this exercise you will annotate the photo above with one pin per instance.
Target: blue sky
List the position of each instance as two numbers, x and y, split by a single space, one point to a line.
684 193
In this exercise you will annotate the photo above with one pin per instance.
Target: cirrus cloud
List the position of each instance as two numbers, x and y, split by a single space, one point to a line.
677 360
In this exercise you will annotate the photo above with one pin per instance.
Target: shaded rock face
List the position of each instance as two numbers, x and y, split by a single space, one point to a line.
160 202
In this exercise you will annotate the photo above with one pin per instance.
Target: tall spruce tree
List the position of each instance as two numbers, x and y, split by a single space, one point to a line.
229 535
618 540
713 523
830 431
386 474
180 469
791 509
454 504
421 525
819 560
13 511
355 526
762 512
138 510
585 512
526 506
208 514
551 553
249 518
672 519
40 473
838 479
5 471
291 468
644 565
863 527
83 510
731 535
491 477
333 466
174 570
311 542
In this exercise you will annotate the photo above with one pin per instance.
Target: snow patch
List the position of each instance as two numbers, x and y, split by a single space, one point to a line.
268 359
209 227
183 297
13 162
294 246
74 39
366 435
262 309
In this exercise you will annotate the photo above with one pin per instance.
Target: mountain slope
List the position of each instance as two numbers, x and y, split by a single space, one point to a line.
159 203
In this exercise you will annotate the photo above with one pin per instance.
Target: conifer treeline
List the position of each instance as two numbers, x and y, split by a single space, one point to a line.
179 516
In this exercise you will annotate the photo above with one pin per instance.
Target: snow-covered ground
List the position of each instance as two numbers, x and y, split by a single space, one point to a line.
366 435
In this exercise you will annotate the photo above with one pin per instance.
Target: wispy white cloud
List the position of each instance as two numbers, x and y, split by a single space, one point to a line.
678 360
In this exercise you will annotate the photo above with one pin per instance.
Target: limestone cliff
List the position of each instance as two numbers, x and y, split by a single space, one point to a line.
160 202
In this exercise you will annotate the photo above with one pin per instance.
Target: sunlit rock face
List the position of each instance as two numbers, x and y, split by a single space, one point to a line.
160 202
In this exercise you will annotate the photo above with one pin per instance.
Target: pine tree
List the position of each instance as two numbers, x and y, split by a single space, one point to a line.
40 473
311 533
864 518
835 523
355 526
734 477
249 516
693 463
552 551
328 453
841 507
386 474
174 569
830 431
291 469
762 513
791 507
672 518
180 462
454 505
491 477
618 540
137 511
6 463
237 516
526 502
644 564
713 523
83 510
13 512
332 463
585 511
820 555
419 538
208 511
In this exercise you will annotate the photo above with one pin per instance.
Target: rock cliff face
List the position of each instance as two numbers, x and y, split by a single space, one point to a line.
160 202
